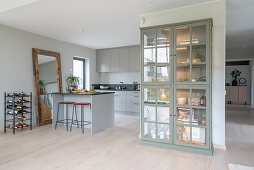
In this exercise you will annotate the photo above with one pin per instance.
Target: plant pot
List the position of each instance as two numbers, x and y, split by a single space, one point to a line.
234 82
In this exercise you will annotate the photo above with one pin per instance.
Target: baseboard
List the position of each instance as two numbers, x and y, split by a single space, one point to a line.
222 147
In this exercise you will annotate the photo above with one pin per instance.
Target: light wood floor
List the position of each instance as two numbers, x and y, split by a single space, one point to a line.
118 148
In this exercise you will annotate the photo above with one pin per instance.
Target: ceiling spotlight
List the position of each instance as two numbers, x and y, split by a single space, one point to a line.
81 30
150 2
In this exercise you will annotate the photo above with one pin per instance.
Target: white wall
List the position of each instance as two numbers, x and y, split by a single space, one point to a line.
239 54
16 67
217 11
116 78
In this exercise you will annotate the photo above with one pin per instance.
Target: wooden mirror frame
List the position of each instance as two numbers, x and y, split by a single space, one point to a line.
35 53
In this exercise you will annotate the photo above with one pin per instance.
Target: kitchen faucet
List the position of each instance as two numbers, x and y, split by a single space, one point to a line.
122 85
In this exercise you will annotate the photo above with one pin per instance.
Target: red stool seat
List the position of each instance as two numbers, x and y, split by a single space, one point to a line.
81 104
66 103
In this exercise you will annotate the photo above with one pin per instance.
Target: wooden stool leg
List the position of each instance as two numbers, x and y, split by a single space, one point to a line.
57 116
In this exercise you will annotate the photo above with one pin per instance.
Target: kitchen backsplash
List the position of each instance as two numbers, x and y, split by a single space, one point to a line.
116 78
115 86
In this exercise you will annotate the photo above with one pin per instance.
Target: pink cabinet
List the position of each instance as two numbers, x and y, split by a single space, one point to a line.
242 93
227 99
236 94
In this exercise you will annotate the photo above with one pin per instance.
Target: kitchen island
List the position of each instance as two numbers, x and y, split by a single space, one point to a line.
101 113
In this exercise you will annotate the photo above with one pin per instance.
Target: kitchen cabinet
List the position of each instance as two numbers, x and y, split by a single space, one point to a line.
124 59
103 60
127 101
236 94
176 86
114 59
135 59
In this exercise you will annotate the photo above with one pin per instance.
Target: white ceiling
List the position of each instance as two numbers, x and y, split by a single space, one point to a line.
106 23
112 23
240 24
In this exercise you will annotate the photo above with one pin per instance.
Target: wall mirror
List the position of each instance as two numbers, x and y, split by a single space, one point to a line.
47 80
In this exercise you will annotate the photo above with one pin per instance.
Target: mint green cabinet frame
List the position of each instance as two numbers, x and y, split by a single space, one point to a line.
173 85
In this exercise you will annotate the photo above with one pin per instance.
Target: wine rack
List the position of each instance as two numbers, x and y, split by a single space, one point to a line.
17 111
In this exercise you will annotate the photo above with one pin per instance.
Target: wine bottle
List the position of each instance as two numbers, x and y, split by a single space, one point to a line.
11 113
10 94
22 101
23 111
9 101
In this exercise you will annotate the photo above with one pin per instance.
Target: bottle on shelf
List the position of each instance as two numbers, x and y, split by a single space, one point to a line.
11 113
10 94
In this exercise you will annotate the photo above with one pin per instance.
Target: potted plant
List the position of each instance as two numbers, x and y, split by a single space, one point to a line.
42 86
72 82
235 73
196 57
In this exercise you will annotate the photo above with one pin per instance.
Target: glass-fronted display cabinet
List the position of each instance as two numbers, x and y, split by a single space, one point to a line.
176 85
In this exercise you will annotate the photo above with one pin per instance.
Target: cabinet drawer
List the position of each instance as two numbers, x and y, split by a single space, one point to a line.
134 99
120 106
133 107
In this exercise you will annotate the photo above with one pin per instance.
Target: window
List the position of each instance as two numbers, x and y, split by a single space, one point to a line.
79 71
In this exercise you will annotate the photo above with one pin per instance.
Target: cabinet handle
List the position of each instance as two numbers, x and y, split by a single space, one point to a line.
136 96
136 103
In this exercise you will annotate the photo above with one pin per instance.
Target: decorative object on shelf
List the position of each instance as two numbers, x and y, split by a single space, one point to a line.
242 82
196 57
235 73
17 111
72 82
42 86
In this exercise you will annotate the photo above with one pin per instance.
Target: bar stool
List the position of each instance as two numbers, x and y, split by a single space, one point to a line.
66 120
83 122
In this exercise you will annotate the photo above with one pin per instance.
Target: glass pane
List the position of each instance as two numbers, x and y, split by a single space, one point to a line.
198 34
149 130
163 132
198 73
163 55
149 73
163 114
149 95
182 35
163 96
149 39
162 73
183 55
183 116
198 136
199 97
149 113
163 37
199 117
198 53
183 73
149 56
182 97
78 71
183 134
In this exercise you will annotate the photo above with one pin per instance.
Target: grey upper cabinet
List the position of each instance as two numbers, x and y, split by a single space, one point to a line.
124 59
114 59
134 59
103 60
